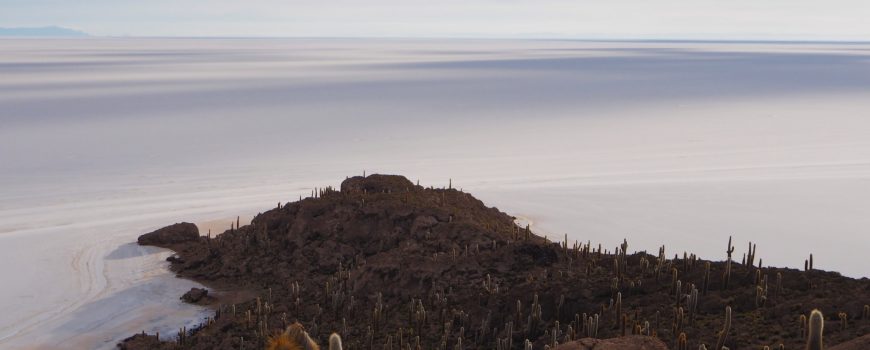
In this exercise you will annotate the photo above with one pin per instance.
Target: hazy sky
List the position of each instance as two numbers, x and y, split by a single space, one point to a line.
664 19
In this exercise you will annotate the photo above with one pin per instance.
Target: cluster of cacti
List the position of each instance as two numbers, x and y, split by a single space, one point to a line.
489 285
844 320
750 255
181 339
621 260
660 263
590 325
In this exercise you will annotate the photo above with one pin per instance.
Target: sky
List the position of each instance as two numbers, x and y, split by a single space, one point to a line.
843 20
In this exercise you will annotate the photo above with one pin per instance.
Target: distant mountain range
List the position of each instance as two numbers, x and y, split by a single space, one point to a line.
50 31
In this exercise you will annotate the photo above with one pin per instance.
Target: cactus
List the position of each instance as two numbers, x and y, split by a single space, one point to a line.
866 315
750 256
778 285
757 277
760 296
682 341
802 327
334 342
618 313
729 251
706 283
678 291
679 316
816 330
723 334
295 337
726 276
844 320
692 304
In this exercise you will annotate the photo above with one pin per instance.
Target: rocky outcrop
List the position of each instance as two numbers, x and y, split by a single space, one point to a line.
634 342
376 183
196 296
144 341
384 261
170 235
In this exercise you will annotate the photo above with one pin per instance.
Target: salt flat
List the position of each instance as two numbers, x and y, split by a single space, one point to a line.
674 143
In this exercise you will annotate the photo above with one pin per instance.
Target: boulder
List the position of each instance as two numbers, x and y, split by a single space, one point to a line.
195 295
172 234
632 342
143 341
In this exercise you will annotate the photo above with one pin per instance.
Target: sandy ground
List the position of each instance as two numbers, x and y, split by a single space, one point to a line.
680 144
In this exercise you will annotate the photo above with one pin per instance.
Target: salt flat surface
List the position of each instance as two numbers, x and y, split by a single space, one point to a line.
680 144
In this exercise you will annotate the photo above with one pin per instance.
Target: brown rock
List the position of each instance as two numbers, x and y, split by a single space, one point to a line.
172 234
633 342
143 341
195 295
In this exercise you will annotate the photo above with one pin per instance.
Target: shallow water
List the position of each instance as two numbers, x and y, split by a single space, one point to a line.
680 144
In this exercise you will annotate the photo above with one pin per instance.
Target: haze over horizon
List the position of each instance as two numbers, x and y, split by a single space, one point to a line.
802 20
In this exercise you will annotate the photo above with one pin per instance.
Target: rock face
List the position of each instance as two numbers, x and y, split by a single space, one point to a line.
172 234
633 342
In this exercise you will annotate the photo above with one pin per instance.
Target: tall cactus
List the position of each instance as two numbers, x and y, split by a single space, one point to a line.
706 283
682 342
334 342
723 334
816 330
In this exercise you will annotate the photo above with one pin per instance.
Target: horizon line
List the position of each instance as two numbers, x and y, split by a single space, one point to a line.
530 38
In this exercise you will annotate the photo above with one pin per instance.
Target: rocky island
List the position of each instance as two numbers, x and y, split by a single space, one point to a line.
388 264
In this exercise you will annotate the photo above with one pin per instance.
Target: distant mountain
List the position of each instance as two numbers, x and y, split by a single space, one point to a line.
51 31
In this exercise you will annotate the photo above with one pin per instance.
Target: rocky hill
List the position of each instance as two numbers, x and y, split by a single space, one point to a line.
387 263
